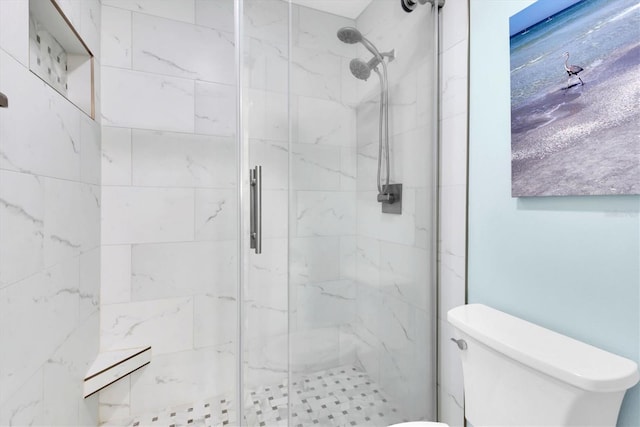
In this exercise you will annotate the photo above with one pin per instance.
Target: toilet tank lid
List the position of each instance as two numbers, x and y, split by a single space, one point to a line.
554 354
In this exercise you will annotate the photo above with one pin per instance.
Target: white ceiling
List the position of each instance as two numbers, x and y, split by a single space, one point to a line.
347 8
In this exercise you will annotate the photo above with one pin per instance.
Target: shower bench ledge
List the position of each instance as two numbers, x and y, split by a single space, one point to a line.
110 366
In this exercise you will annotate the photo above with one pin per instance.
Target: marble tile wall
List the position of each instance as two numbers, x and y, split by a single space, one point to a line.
395 286
453 190
169 215
50 202
323 193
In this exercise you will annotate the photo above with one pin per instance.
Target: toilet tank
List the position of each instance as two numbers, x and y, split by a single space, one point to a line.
517 373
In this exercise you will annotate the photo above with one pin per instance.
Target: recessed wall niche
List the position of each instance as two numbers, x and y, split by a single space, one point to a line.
58 55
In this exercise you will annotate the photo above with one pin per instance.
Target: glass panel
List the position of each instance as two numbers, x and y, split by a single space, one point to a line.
265 114
362 282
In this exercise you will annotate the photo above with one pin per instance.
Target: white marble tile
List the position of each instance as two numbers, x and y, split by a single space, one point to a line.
116 37
115 274
14 29
454 24
403 103
183 10
179 49
21 226
450 411
348 168
315 259
348 257
266 115
216 214
453 154
170 159
64 373
266 289
90 148
452 282
166 325
25 406
266 65
315 74
368 261
324 122
72 9
52 147
315 167
188 376
217 14
64 220
172 270
273 156
323 304
90 25
32 306
141 215
147 101
275 209
114 400
116 156
215 109
412 159
392 228
454 81
406 274
90 283
325 213
450 376
213 319
267 20
317 30
453 201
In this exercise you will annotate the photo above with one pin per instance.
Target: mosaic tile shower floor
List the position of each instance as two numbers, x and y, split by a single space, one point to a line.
344 396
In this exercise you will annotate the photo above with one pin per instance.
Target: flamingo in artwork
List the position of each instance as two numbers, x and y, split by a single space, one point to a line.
572 70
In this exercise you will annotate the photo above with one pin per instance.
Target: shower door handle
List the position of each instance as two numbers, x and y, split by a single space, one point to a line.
255 229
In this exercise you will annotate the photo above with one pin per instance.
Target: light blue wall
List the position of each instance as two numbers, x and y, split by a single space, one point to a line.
571 264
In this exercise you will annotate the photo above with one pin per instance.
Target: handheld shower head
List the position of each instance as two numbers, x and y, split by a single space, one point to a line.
360 69
351 35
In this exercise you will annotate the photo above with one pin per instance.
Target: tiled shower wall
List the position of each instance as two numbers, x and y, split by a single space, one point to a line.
169 227
50 233
453 201
395 290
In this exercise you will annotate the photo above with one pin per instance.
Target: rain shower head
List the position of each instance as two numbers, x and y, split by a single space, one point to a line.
351 35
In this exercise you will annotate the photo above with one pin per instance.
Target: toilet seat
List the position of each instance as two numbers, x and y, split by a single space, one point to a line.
420 424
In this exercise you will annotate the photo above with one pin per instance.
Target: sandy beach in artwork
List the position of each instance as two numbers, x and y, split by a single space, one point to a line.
582 139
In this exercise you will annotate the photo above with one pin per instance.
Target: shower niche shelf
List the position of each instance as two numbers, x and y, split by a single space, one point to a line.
110 366
59 56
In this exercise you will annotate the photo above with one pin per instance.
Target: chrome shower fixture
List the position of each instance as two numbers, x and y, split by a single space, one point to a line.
4 101
390 195
409 5
352 35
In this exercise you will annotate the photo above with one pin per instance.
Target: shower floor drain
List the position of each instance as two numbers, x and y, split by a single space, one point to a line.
344 396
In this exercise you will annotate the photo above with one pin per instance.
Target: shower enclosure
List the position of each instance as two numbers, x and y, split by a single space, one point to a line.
338 314
286 296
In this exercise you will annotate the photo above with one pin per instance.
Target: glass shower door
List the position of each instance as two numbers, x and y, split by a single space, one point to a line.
362 282
264 45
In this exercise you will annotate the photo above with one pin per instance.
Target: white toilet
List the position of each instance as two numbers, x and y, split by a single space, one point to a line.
517 373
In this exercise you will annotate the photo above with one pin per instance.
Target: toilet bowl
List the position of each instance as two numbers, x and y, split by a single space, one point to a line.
420 424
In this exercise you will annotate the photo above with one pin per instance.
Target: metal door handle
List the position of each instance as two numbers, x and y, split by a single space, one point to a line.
255 179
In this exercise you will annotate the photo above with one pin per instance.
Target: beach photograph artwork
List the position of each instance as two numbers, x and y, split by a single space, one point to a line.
575 98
